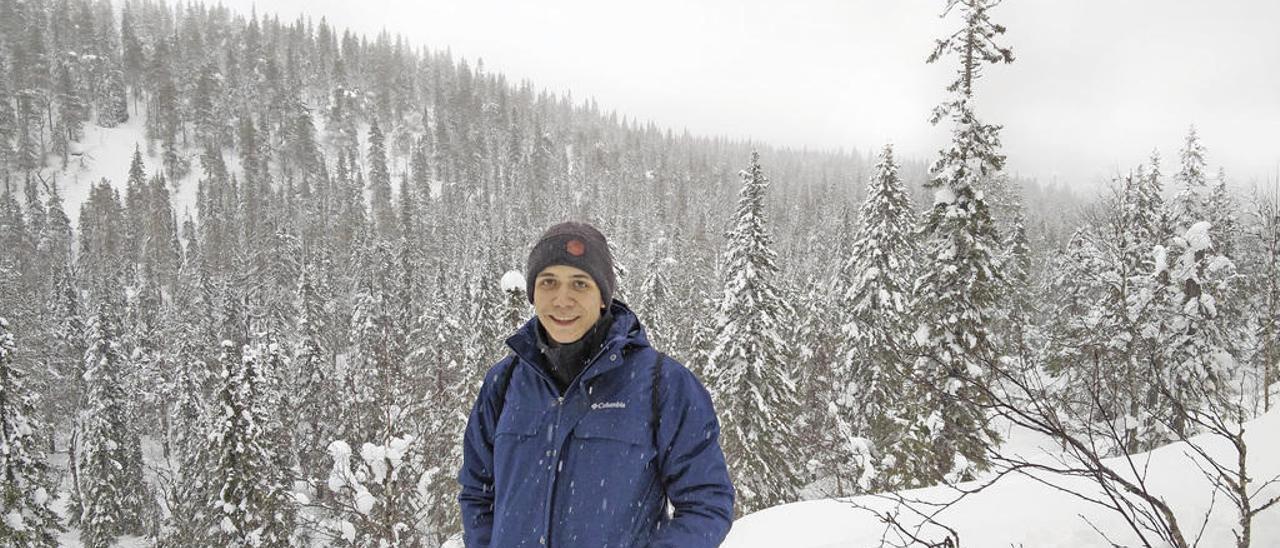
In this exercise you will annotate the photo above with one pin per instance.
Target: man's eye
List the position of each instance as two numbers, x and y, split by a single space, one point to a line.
579 284
546 282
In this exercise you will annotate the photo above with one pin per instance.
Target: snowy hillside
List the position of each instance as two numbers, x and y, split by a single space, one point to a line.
1020 511
106 153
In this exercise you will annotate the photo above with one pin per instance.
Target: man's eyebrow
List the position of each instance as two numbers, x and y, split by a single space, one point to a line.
553 275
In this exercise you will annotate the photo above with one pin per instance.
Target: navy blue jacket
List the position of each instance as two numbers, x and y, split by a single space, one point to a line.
580 469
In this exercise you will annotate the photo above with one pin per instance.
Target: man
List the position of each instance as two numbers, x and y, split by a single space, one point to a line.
582 436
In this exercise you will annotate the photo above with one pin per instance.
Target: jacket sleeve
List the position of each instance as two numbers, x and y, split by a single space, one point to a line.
692 465
476 476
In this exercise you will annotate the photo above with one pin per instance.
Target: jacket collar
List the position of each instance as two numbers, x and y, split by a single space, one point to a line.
625 331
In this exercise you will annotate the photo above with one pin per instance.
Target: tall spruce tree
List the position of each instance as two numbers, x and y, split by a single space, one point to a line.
449 376
746 364
1201 357
1191 202
655 296
26 488
116 500
1224 224
8 117
384 216
958 291
315 377
375 387
248 491
71 113
113 100
192 517
870 387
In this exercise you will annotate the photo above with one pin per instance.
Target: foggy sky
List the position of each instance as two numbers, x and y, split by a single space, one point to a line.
1096 86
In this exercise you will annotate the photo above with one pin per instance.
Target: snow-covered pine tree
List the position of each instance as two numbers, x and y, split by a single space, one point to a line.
1146 227
407 217
36 222
340 118
137 203
374 379
1145 212
116 500
1203 341
1191 203
420 190
958 292
306 161
1015 323
8 118
31 71
209 121
113 102
1260 258
55 240
188 322
247 490
161 247
1097 297
277 396
485 310
193 513
66 359
870 391
352 224
447 373
1224 225
655 297
751 384
1194 322
384 215
814 332
1073 290
102 230
26 488
63 317
71 112
315 378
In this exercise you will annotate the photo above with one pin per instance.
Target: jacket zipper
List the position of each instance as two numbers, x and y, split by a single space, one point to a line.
554 452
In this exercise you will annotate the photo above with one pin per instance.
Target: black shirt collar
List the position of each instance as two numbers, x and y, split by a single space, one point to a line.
566 361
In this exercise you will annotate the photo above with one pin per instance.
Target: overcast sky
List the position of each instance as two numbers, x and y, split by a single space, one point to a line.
1096 86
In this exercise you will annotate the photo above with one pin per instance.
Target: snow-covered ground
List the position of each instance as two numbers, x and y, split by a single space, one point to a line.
106 153
1020 511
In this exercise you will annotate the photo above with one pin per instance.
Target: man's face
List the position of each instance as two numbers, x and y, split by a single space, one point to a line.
567 302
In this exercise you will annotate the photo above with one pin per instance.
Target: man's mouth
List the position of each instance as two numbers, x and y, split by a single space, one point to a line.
564 321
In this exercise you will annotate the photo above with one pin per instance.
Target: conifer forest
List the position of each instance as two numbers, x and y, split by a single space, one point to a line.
250 284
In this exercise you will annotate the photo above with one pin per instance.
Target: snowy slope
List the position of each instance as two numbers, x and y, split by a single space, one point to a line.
106 153
1019 511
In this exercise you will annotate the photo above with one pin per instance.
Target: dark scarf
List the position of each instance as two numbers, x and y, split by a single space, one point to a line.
565 361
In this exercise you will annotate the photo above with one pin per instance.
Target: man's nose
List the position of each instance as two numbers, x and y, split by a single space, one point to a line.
561 296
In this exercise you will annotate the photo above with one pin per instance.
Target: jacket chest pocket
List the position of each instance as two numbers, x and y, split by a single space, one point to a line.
515 442
612 439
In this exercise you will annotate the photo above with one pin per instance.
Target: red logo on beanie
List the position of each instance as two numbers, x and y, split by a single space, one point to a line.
575 247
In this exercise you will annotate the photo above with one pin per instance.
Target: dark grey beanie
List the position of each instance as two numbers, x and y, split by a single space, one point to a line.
574 244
